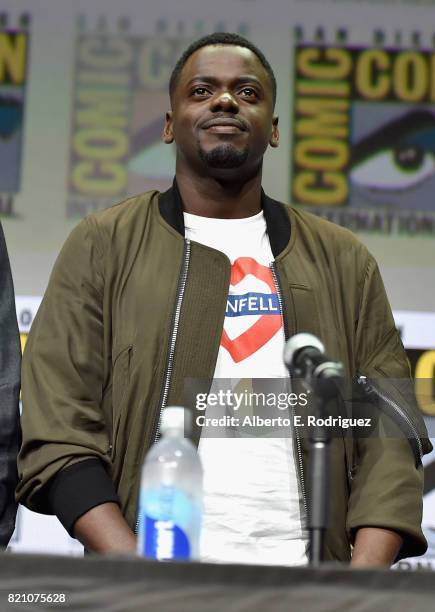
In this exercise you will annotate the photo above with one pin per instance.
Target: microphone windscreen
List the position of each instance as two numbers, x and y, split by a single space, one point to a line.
299 342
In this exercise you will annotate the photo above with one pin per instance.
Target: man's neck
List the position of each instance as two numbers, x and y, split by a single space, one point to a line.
208 197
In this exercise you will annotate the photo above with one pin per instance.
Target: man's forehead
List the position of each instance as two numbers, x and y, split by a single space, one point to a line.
214 59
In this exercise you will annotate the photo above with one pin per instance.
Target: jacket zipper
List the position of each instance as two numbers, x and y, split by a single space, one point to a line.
174 333
172 342
372 389
298 440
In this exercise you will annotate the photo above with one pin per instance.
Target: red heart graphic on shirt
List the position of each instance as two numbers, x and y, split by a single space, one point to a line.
263 330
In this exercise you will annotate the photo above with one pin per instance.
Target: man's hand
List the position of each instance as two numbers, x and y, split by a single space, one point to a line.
103 529
375 547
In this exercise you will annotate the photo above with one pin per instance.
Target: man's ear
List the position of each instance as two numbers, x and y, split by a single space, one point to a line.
274 138
168 135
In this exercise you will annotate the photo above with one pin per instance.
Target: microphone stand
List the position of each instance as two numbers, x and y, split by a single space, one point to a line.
304 355
323 384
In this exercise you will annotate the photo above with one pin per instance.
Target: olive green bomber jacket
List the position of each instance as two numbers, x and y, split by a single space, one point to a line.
133 309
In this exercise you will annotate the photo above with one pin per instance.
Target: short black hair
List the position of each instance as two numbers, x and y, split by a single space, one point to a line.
220 38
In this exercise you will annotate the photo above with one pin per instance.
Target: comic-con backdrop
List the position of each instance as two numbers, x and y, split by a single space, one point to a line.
83 92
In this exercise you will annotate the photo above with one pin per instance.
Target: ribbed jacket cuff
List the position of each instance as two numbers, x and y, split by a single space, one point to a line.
79 488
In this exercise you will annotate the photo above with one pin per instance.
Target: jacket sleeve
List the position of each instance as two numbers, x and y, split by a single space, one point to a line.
387 484
62 386
10 358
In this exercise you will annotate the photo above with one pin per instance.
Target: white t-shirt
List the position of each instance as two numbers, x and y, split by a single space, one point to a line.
253 512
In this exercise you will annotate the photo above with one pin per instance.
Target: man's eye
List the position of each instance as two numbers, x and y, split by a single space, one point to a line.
200 91
249 92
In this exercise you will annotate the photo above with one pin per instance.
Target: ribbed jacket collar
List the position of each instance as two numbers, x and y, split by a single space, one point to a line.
277 219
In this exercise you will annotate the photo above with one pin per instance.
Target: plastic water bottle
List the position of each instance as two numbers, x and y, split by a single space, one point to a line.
170 504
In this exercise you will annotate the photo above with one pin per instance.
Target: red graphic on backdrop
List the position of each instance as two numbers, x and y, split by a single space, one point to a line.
264 328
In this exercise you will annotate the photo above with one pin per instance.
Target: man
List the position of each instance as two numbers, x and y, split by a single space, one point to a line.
10 361
138 303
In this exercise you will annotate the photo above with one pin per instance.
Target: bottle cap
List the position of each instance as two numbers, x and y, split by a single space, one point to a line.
175 417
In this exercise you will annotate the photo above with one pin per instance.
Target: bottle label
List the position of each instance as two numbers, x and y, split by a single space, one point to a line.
165 541
167 523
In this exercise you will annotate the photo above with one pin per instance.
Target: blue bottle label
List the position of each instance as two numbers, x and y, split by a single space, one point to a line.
167 521
165 541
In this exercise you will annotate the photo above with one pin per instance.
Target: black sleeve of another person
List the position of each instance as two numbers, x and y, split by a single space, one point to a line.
10 365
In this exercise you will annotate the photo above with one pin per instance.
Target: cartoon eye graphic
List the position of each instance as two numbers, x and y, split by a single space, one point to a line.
399 156
11 116
399 168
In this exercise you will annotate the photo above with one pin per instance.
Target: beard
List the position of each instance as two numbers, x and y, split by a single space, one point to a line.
224 156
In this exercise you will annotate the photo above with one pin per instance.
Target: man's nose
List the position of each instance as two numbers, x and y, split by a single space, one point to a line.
225 101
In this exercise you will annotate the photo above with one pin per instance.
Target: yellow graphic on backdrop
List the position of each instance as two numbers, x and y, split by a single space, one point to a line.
337 89
321 150
100 138
425 382
13 54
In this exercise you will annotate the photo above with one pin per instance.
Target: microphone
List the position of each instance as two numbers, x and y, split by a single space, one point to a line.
304 356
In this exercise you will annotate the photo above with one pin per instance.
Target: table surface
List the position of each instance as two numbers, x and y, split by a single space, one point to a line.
128 584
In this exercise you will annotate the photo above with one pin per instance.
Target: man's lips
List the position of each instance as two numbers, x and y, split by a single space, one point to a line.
224 129
224 126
